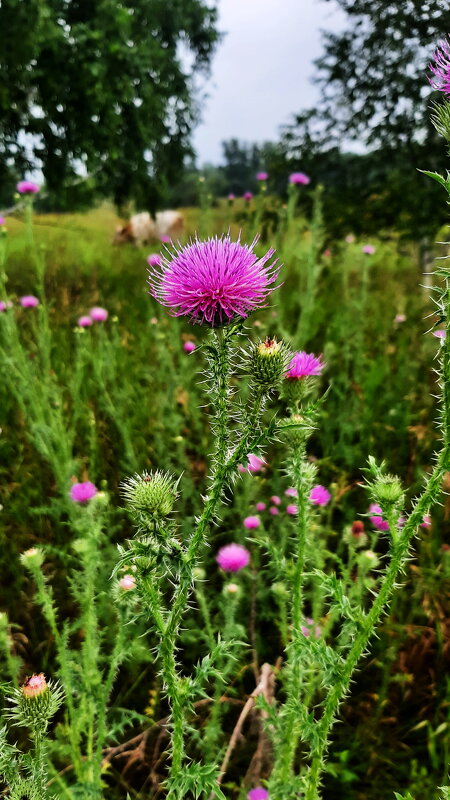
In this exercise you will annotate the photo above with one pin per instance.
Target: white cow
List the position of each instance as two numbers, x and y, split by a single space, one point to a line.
143 228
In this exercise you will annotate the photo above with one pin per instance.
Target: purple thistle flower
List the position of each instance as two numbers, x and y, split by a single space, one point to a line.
291 492
233 557
376 517
274 511
27 187
29 301
189 347
258 793
275 500
304 365
299 178
82 492
84 322
292 509
262 176
308 628
251 523
260 506
368 249
319 495
231 196
98 314
426 522
441 68
2 220
154 260
247 196
214 281
3 306
441 334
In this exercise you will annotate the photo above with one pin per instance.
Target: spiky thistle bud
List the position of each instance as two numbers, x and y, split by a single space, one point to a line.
387 491
268 362
35 702
33 557
150 497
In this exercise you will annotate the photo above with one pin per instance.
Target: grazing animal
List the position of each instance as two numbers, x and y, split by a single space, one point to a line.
142 228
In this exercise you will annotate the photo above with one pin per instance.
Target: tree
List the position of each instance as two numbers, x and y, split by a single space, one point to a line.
102 89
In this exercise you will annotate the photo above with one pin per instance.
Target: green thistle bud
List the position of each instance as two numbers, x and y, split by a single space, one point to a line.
150 497
387 491
268 362
36 702
199 574
34 557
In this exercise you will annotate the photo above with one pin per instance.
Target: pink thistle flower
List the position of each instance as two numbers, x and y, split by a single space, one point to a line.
258 793
274 511
189 347
376 517
275 500
233 557
82 492
29 301
98 314
165 239
231 196
441 334
291 492
368 249
426 522
260 506
2 220
399 318
441 68
291 509
299 178
84 322
247 196
127 582
154 260
251 523
3 306
310 628
255 463
262 176
27 187
304 365
34 686
319 495
214 281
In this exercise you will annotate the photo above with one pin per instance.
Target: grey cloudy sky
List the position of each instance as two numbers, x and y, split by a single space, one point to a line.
261 73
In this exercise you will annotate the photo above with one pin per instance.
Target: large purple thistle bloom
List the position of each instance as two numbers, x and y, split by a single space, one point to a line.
213 281
441 67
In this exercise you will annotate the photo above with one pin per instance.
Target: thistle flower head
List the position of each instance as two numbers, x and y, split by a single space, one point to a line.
441 67
262 176
214 281
98 314
304 365
368 249
83 492
247 196
32 557
252 522
292 509
84 322
150 496
3 306
27 187
189 347
258 793
154 260
291 492
35 685
319 495
127 583
267 362
29 301
260 506
299 178
35 702
233 557
376 517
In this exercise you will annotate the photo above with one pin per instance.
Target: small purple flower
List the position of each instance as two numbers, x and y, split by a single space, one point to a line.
304 365
275 500
27 187
262 176
84 322
274 511
3 306
376 517
189 347
292 509
441 68
260 506
214 281
29 301
82 492
258 793
319 495
154 260
299 178
368 249
247 196
251 523
291 492
233 557
98 314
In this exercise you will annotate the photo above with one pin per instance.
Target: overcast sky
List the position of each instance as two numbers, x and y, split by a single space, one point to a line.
262 70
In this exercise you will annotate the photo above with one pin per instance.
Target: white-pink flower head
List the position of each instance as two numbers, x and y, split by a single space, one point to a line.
214 281
127 583
98 314
304 365
441 334
233 557
35 685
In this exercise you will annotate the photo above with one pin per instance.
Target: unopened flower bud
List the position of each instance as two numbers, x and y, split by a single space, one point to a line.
231 589
36 701
268 362
33 557
387 491
150 496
